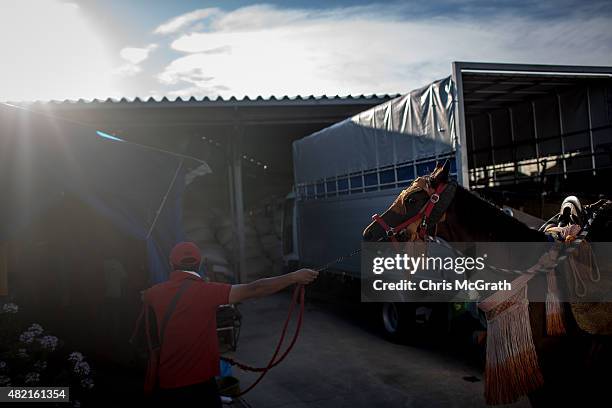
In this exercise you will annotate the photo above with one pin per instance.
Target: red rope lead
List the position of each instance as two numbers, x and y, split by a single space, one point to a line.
297 294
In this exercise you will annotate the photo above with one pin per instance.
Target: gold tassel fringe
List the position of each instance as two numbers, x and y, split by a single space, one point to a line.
555 322
512 368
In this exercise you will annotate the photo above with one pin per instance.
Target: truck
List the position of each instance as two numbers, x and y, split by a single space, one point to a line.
518 134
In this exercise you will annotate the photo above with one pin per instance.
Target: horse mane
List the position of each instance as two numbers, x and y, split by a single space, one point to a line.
601 224
485 221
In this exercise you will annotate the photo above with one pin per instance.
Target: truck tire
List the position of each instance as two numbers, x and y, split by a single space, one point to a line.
397 321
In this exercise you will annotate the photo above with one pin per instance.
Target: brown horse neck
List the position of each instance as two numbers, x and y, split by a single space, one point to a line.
470 218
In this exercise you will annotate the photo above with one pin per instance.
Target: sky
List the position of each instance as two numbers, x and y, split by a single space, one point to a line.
71 49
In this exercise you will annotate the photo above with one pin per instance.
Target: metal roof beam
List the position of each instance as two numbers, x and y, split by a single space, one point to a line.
469 67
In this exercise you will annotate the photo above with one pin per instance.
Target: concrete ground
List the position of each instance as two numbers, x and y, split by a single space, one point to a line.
340 360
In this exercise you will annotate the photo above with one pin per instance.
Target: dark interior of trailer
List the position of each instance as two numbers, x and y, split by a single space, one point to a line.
534 138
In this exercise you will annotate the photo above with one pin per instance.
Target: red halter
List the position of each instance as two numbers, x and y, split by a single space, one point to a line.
423 214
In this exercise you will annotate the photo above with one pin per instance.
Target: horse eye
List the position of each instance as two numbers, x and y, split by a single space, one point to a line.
411 200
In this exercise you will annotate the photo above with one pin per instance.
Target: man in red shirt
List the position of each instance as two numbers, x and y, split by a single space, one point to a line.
189 354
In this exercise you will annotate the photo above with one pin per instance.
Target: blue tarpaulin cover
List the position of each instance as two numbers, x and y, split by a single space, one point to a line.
417 125
44 158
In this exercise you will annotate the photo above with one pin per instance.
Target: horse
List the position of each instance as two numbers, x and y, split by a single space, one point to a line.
577 361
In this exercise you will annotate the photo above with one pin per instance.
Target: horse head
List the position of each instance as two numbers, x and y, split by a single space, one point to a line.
416 210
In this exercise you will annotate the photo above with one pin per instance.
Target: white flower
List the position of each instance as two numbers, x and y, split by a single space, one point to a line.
75 357
32 378
10 308
40 365
2 365
87 383
36 329
22 353
4 381
82 368
48 342
26 337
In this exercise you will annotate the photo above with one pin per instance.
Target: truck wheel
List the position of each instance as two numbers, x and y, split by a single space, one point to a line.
397 321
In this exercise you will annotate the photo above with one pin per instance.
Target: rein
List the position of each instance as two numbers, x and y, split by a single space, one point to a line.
298 298
423 216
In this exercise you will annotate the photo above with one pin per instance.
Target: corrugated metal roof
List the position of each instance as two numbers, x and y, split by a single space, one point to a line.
218 101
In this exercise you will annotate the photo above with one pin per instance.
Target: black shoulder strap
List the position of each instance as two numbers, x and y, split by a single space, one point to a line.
171 308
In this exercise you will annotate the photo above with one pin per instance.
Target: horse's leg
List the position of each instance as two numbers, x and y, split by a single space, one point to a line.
575 367
598 363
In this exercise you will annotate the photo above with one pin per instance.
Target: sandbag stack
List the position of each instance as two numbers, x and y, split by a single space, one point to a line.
266 222
214 231
202 229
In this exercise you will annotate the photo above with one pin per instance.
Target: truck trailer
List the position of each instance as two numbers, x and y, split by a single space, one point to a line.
519 134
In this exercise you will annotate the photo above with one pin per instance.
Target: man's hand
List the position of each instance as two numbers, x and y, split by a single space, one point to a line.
304 276
268 286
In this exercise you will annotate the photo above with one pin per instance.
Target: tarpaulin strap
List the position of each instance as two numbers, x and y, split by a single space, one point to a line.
298 296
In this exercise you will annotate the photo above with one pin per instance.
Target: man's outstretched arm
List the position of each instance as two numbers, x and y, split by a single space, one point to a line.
268 286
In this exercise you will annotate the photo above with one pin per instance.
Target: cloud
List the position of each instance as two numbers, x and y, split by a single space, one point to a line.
136 55
51 51
175 24
133 57
127 70
370 49
262 16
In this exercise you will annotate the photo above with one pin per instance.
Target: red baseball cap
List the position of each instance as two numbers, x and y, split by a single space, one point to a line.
186 254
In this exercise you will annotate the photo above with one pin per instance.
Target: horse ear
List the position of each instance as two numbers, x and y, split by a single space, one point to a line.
440 174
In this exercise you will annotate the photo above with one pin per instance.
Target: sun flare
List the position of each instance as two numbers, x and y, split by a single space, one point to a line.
51 51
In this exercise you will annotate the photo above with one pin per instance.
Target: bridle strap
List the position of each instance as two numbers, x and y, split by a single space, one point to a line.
388 230
424 214
433 200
